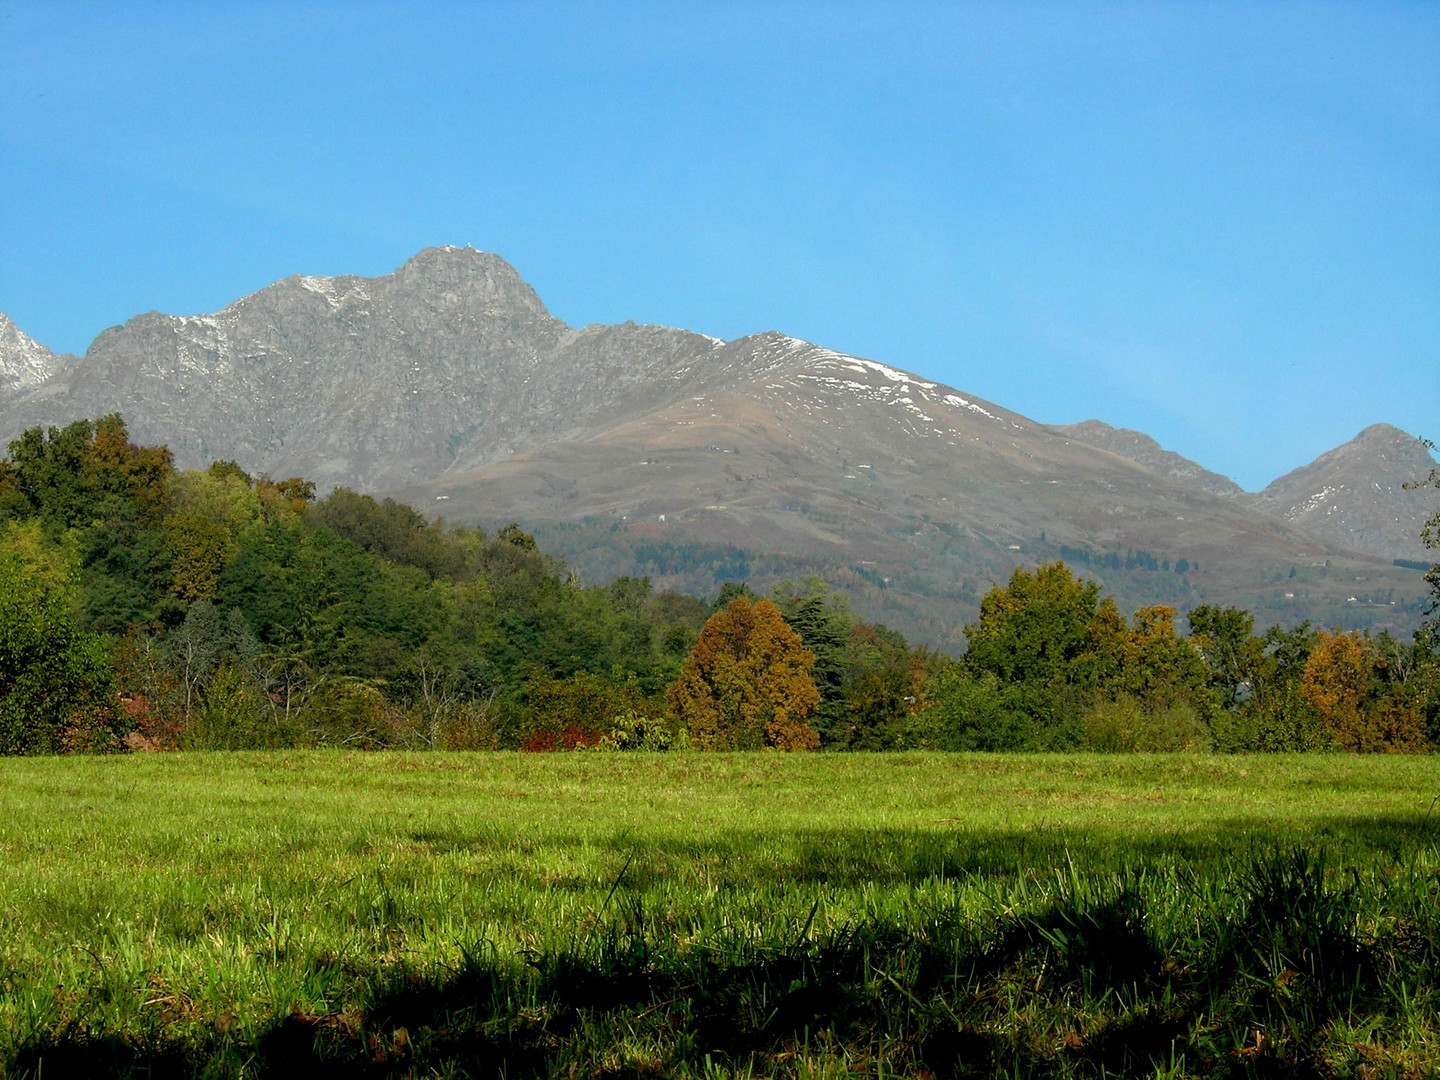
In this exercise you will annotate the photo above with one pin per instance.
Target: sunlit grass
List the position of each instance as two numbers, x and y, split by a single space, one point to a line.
668 914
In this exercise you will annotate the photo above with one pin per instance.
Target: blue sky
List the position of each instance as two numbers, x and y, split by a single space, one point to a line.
1217 223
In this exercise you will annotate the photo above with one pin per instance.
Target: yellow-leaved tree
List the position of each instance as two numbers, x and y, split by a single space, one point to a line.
746 684
1360 714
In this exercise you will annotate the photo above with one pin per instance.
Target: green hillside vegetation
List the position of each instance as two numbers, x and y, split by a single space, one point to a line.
146 607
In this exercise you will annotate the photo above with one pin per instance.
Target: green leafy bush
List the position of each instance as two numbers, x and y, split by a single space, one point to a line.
57 688
1122 724
978 712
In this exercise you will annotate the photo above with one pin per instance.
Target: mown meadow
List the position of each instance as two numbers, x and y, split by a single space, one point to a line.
700 914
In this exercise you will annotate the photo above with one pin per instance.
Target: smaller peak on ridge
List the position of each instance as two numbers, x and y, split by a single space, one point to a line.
1140 448
451 255
1385 434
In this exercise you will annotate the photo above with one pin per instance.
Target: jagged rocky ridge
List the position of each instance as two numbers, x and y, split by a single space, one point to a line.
449 383
449 362
24 363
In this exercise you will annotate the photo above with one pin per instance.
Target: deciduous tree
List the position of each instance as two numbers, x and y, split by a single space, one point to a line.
56 682
1341 684
1159 668
746 683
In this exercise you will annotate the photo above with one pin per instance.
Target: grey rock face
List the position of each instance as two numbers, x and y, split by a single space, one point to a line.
1355 495
1142 449
451 361
24 362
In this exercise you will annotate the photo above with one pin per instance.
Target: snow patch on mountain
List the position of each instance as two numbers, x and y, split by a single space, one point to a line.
24 362
1314 502
336 291
961 403
894 387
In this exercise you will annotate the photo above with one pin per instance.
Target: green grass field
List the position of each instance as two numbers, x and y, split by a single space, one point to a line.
714 915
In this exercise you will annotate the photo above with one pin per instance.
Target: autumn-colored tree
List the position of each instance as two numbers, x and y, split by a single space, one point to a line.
285 498
1340 683
1157 667
746 683
117 467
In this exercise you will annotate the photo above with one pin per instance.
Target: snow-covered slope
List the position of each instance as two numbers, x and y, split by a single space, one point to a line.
24 362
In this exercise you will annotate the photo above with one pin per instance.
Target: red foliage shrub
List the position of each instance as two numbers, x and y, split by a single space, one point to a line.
570 738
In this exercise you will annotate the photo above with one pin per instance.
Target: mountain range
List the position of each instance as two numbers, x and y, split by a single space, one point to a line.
1355 494
647 449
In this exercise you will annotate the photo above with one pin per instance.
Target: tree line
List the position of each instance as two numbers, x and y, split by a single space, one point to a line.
146 607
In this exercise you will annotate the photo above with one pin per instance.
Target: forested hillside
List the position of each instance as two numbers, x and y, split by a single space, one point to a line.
146 607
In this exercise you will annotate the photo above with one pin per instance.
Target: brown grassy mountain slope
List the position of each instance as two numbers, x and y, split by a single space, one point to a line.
909 494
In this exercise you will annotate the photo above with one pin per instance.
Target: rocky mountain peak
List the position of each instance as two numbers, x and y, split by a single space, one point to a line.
1382 454
1356 496
24 362
1388 440
463 275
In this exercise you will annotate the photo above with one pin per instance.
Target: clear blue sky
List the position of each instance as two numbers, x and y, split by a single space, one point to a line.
1217 223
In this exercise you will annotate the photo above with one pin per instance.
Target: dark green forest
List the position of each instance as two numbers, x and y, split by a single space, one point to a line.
143 607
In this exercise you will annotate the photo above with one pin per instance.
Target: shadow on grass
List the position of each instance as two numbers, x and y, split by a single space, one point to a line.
1083 984
895 856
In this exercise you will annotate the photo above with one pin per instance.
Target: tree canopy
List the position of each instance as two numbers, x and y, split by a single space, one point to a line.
746 683
213 608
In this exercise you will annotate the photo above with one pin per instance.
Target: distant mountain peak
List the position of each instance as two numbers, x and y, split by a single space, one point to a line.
1403 454
24 362
1355 494
1386 435
1143 450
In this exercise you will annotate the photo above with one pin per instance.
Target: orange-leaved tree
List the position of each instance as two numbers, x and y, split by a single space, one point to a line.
1341 683
746 684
